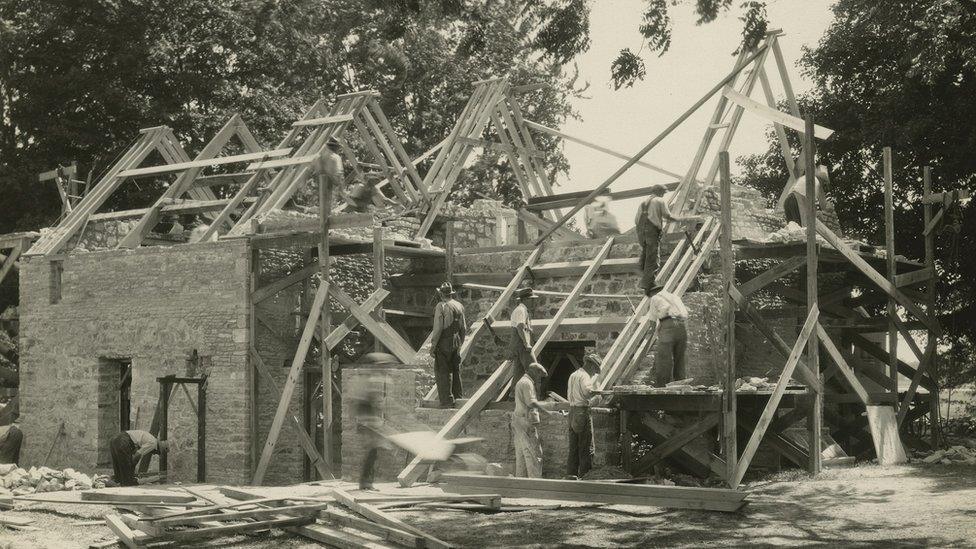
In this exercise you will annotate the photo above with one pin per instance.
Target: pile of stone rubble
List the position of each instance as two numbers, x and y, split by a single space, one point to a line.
17 481
955 454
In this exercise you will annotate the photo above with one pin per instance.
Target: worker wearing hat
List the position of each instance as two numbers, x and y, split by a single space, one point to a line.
579 392
520 345
127 449
450 327
525 421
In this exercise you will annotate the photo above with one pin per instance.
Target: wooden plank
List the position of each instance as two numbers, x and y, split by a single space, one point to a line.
11 261
876 277
566 200
930 302
130 495
381 531
842 365
391 340
884 432
293 376
284 163
306 509
774 115
545 225
601 492
647 148
879 353
678 440
323 120
770 275
773 403
350 322
696 460
914 277
385 519
335 537
595 147
815 419
729 432
269 290
127 536
203 163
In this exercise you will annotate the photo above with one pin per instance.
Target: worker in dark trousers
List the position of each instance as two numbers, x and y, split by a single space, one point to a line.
369 424
127 448
795 204
649 225
670 314
520 345
11 439
449 330
579 393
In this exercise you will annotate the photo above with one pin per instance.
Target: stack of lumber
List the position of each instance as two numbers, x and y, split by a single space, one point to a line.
145 517
676 497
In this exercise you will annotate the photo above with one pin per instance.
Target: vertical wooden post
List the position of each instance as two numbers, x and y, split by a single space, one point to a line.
329 163
202 430
449 251
164 387
930 288
626 461
379 257
889 213
252 370
815 418
729 433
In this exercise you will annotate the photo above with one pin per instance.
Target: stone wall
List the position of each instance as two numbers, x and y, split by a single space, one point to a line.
152 306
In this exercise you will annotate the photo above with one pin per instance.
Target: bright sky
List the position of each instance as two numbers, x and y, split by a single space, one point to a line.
699 57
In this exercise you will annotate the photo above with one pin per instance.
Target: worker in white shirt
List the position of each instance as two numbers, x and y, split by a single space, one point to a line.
127 448
670 314
520 344
649 225
579 392
525 421
794 203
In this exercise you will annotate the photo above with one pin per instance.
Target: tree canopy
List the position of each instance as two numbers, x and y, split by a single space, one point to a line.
900 74
79 79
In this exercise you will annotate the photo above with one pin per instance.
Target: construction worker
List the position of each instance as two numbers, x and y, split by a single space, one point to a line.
649 224
11 439
369 423
670 314
127 449
525 419
599 221
520 344
579 392
449 330
794 203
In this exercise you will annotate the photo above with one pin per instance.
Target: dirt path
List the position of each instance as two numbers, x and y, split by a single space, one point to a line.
908 506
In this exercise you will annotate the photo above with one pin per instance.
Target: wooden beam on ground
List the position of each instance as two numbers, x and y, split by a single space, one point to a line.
385 519
773 403
675 497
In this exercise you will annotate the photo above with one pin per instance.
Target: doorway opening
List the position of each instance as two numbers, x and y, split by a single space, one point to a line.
561 359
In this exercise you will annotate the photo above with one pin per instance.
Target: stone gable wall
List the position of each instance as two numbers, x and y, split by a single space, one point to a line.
153 306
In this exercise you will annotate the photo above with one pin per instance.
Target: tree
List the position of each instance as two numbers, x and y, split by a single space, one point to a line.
655 28
899 74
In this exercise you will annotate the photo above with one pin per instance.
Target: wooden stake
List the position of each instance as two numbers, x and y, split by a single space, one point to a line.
930 288
729 429
379 256
815 419
889 217
328 176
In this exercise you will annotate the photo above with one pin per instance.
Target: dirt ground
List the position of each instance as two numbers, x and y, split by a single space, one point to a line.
867 506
